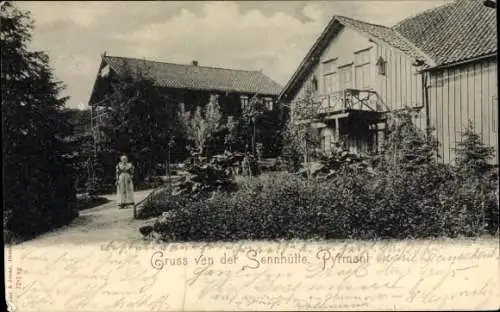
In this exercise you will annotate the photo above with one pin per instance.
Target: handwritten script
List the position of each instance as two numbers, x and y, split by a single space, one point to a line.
404 275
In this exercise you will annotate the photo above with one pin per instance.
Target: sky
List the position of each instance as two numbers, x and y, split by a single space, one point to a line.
272 36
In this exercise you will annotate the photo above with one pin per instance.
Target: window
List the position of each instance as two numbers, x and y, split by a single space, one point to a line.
329 66
362 72
269 103
244 101
362 57
330 78
345 76
381 66
314 83
331 83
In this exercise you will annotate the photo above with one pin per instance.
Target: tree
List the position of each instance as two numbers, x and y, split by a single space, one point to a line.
203 124
406 146
39 192
232 132
81 144
139 122
472 154
299 141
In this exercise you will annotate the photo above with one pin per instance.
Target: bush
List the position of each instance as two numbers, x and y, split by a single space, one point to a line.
202 177
404 194
159 202
435 202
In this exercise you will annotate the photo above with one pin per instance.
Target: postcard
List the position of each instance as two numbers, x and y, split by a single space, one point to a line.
250 155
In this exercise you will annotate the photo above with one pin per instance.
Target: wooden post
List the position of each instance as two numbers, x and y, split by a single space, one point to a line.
337 130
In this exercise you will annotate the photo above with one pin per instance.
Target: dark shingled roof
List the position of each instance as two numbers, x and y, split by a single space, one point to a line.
197 77
454 32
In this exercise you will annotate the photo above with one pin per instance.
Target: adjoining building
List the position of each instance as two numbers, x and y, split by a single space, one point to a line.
440 63
188 86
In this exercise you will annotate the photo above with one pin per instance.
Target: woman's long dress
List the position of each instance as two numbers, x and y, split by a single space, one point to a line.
125 185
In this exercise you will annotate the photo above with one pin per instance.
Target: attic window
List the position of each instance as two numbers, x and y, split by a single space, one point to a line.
268 102
381 66
244 101
314 83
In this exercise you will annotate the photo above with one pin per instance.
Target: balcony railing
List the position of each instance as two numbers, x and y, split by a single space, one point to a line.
339 102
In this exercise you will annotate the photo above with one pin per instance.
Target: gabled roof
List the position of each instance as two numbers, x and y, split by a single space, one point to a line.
384 34
454 32
375 32
195 77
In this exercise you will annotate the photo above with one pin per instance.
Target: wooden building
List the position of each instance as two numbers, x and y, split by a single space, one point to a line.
442 63
187 86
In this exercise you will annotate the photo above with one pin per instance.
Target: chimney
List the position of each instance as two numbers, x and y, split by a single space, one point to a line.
195 63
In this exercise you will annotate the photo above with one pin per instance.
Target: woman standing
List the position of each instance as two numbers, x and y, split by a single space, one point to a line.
124 183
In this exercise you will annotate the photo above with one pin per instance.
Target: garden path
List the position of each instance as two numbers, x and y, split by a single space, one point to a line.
97 225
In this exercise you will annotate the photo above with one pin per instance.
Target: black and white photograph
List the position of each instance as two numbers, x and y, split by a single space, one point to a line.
250 155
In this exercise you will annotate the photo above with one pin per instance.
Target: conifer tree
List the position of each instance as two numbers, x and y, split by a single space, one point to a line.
38 183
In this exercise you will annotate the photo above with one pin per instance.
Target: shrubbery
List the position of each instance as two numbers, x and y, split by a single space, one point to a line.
200 179
404 194
435 202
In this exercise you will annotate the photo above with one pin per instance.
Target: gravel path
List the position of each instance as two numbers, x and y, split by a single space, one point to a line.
97 225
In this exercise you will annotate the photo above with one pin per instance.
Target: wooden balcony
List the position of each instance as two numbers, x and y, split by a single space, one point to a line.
339 103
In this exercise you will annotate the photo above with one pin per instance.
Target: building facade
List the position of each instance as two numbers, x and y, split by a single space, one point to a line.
189 86
441 64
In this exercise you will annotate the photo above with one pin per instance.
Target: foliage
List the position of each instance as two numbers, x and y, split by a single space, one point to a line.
349 205
406 146
202 125
337 160
250 165
39 191
232 131
299 141
401 195
472 154
205 178
81 144
158 202
139 122
199 181
258 125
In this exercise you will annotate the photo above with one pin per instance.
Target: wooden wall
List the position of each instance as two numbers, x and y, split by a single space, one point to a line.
401 85
455 95
342 48
459 94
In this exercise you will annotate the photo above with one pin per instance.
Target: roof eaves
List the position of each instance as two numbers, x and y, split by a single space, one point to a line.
461 62
380 38
429 61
